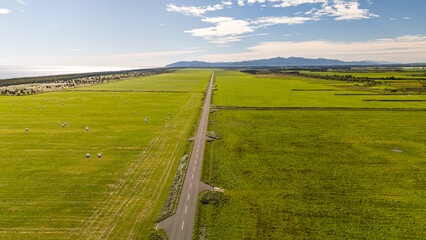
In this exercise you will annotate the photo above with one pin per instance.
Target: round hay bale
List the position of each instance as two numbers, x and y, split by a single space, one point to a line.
99 155
27 129
87 128
146 120
29 108
134 112
87 155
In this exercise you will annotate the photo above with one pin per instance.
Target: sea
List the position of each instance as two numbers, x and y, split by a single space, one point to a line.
7 72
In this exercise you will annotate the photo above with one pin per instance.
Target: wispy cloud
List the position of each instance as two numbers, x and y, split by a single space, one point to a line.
280 3
4 11
342 10
23 2
228 29
405 49
269 21
197 10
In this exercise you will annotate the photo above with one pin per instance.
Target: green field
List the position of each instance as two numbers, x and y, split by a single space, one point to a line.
316 175
185 80
240 89
377 75
50 190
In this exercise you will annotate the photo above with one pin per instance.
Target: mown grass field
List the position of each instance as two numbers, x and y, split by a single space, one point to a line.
184 80
240 89
316 175
50 190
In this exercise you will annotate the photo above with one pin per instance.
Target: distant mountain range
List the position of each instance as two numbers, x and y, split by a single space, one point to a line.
277 62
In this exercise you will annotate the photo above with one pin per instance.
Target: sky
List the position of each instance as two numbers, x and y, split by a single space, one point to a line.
145 33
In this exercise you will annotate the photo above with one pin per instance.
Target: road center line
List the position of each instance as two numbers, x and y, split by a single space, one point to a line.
183 224
189 195
190 186
192 176
186 208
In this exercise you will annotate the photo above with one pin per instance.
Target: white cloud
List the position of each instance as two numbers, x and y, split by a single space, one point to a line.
4 11
404 49
23 2
280 3
342 10
197 10
291 3
269 21
406 18
226 30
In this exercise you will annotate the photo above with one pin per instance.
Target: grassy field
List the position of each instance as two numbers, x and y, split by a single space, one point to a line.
378 75
185 80
50 190
316 175
239 89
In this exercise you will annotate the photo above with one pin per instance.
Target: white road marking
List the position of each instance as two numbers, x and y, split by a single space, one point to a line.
183 224
186 208
192 176
194 168
190 186
189 195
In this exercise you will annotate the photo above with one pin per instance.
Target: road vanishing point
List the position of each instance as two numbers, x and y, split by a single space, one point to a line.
180 226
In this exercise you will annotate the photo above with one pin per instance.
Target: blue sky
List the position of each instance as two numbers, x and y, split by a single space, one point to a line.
143 33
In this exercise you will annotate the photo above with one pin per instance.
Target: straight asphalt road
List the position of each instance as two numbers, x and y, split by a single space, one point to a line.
181 225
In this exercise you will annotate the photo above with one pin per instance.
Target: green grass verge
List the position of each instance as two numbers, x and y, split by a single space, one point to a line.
316 175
